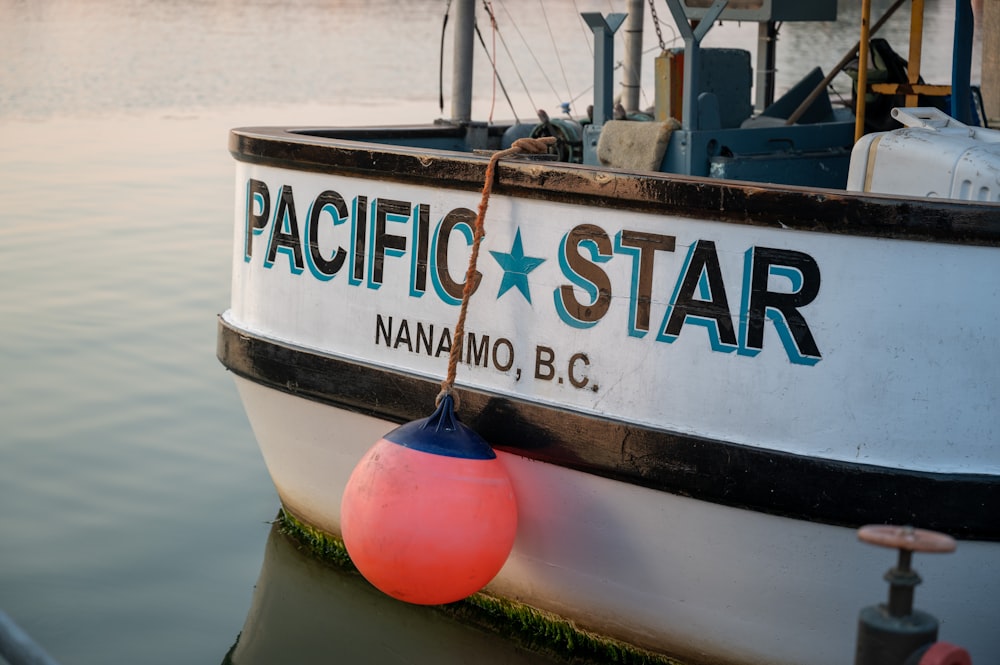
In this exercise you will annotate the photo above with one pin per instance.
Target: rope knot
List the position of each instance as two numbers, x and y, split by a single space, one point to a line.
447 389
534 146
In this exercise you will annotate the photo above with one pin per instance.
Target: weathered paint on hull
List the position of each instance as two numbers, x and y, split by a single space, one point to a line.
841 347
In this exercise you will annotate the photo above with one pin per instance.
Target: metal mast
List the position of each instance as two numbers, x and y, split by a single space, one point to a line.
461 76
632 76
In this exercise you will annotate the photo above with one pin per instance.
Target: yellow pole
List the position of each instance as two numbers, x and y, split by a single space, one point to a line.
848 56
859 110
916 40
991 61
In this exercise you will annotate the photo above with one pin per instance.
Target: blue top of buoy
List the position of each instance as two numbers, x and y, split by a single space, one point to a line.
442 434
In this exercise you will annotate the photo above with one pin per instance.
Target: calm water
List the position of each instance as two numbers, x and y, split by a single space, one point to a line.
134 505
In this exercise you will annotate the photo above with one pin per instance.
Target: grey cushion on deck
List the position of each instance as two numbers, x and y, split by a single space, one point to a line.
635 146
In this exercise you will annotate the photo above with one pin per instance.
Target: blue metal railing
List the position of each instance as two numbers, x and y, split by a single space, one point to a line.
17 647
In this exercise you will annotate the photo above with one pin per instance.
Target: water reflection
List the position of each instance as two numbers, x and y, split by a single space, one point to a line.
64 57
304 611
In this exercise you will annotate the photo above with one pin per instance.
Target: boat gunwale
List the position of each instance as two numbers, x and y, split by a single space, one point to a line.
833 211
841 493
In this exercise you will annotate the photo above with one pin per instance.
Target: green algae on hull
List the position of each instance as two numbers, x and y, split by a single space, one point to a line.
532 628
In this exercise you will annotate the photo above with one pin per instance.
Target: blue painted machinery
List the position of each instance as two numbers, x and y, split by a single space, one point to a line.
718 136
798 139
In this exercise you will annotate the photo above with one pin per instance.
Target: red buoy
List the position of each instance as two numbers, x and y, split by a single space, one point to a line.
428 515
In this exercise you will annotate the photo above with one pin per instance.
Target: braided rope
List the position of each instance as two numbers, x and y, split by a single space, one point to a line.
527 145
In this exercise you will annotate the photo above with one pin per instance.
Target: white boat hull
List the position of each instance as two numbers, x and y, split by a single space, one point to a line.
700 388
672 574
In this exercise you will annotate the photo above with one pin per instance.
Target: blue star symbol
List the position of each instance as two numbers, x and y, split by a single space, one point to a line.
516 267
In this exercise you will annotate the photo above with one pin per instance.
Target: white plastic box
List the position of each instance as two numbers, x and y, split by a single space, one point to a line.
933 155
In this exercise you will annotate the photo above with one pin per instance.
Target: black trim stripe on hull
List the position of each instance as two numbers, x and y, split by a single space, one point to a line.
963 505
363 153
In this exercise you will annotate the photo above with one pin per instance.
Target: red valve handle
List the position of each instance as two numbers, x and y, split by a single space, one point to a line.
945 653
906 538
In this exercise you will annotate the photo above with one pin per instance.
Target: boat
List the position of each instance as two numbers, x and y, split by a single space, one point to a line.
705 361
